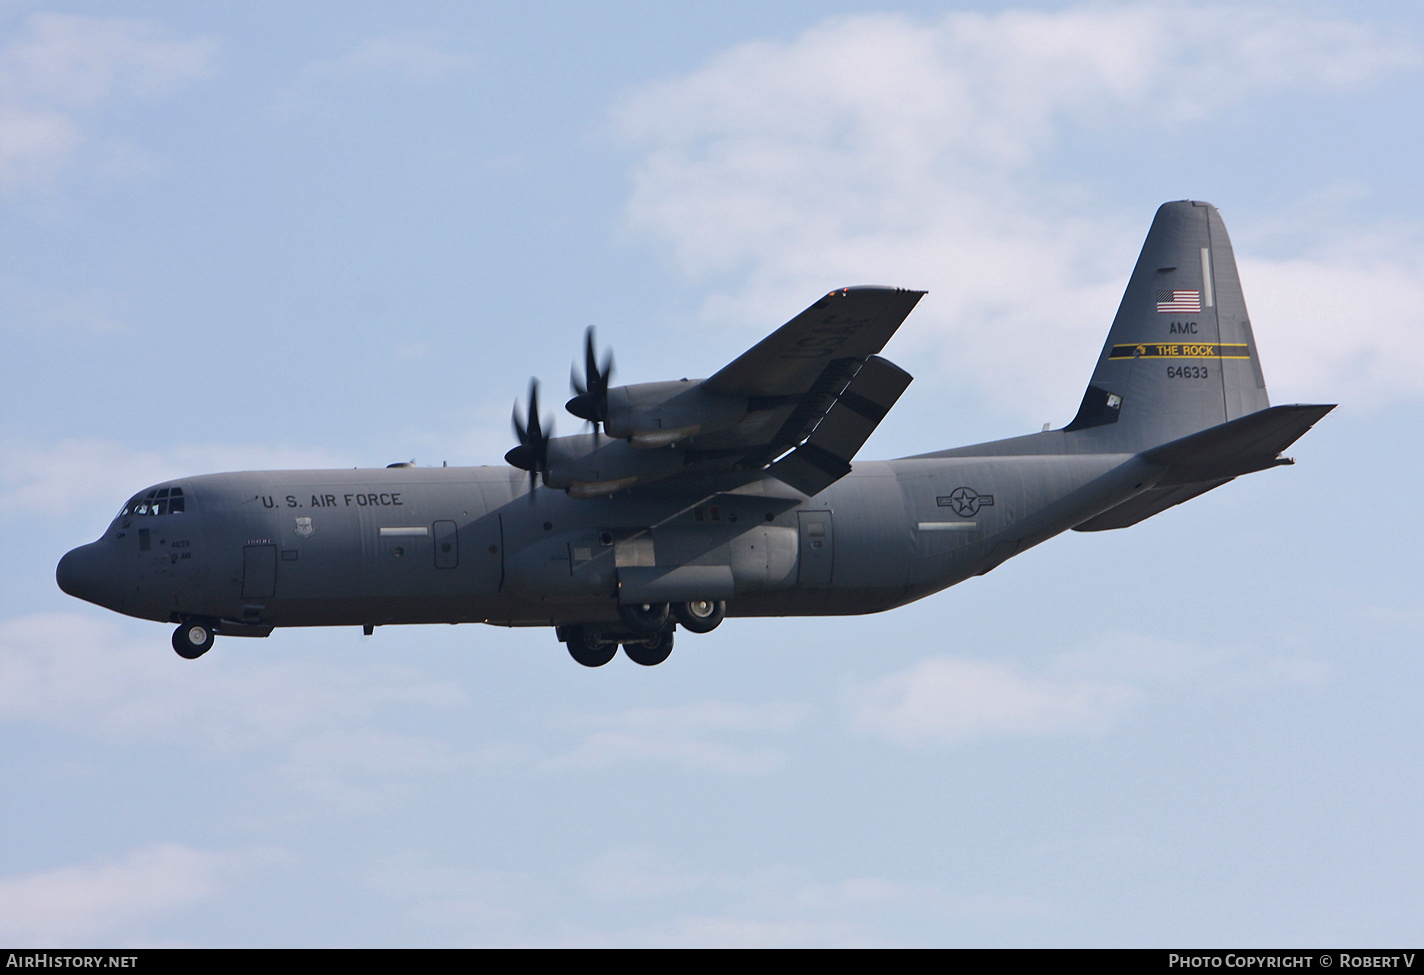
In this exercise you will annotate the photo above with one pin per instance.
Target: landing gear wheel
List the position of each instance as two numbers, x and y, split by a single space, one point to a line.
192 640
700 615
647 618
588 648
650 652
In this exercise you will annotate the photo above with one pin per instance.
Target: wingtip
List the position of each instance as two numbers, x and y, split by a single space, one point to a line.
857 288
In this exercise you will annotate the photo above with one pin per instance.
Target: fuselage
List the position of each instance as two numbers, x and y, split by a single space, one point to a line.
384 546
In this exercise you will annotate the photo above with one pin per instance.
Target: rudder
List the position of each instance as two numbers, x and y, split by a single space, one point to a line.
1180 356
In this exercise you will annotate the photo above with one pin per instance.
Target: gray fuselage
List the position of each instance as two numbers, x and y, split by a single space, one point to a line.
373 547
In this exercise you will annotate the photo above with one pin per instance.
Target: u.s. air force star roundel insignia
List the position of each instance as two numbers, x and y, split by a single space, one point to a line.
965 501
304 527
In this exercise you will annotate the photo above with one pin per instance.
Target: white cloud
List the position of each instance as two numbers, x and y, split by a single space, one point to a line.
76 60
775 906
413 57
75 475
115 900
733 931
636 875
948 700
65 63
338 766
73 672
670 904
1344 321
680 736
882 149
33 143
475 901
712 716
607 747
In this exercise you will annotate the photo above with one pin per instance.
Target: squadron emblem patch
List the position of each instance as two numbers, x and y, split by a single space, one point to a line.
304 527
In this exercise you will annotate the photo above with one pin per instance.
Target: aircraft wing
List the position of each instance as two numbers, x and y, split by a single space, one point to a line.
797 405
851 323
818 377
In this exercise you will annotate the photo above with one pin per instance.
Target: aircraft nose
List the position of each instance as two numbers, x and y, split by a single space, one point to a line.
93 573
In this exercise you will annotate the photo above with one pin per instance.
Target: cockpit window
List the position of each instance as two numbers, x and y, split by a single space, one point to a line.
159 501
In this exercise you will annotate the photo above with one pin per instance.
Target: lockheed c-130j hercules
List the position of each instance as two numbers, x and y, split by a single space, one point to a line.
735 495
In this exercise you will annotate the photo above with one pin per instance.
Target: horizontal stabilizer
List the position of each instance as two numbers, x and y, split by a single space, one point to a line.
825 456
1202 461
1248 443
1147 504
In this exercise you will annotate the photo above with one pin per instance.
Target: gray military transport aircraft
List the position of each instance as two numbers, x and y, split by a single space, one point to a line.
735 495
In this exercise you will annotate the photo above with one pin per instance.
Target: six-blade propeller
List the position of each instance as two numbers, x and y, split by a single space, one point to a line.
532 454
591 401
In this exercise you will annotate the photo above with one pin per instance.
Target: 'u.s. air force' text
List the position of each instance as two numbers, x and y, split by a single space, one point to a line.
372 500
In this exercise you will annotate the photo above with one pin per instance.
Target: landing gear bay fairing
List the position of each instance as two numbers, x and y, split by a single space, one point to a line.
692 501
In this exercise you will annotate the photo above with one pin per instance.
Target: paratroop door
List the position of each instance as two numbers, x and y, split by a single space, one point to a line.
259 571
817 548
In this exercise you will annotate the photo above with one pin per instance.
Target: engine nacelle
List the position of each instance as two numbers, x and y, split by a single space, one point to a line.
591 465
649 415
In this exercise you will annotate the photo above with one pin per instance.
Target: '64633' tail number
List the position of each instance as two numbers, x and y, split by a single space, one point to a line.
1187 372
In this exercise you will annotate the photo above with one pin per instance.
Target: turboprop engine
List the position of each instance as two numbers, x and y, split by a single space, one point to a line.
658 414
647 415
591 465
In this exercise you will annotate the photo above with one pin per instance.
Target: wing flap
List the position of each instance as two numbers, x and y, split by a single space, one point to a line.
825 456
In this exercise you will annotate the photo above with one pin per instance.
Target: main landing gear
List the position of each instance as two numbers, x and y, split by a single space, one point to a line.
588 646
593 645
646 631
193 639
700 615
652 651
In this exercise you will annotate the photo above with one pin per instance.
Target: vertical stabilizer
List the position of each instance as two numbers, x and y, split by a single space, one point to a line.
1180 356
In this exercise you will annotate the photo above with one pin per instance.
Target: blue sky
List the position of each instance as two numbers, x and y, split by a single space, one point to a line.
347 234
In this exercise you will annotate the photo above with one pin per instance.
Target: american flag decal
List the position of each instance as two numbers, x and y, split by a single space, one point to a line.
1170 302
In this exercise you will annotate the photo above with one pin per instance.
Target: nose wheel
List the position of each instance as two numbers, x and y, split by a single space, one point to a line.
192 640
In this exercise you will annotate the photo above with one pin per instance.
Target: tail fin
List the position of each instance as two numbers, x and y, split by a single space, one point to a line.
1180 356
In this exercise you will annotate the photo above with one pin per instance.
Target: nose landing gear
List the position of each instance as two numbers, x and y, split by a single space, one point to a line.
193 639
